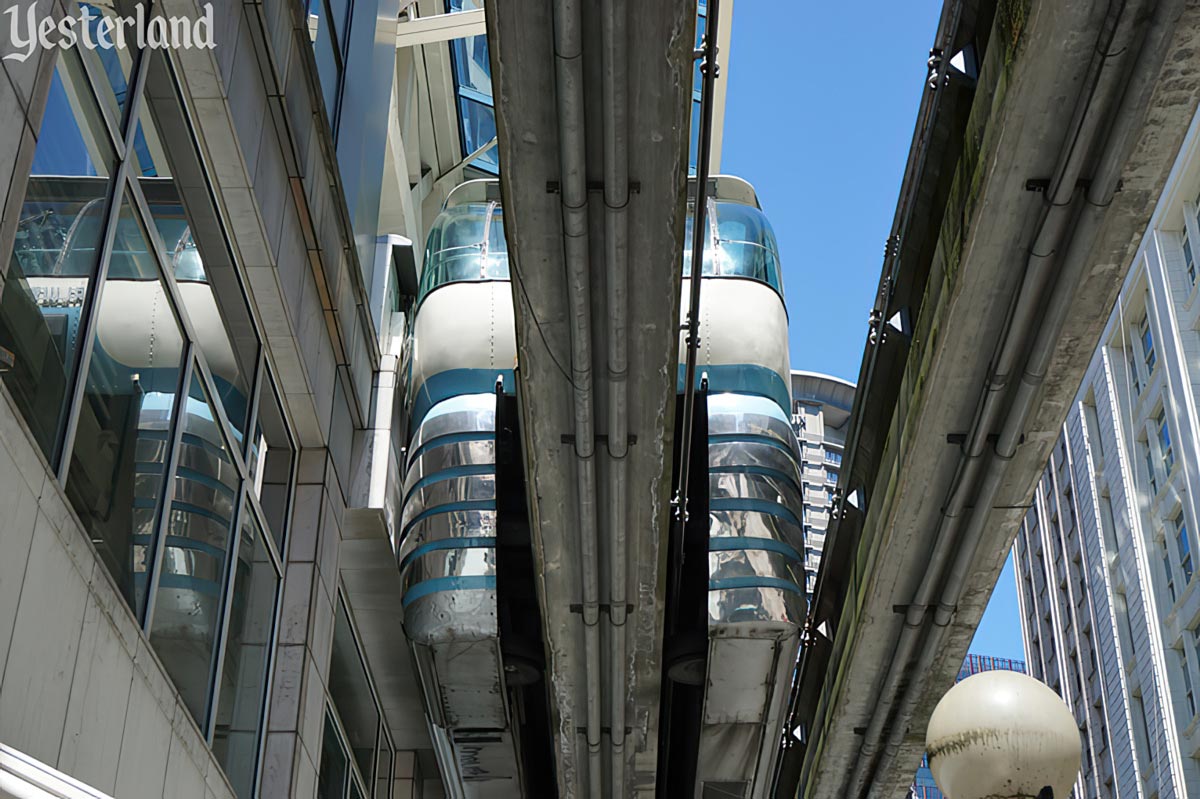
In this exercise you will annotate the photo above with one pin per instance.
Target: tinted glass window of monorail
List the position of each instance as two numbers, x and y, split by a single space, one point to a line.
744 247
138 368
456 248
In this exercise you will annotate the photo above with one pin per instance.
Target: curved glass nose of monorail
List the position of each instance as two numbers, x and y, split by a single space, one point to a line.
466 244
739 242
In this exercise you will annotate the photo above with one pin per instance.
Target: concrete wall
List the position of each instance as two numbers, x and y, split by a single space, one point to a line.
81 690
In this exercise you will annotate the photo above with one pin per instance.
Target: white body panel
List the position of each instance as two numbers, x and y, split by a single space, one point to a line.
466 325
742 321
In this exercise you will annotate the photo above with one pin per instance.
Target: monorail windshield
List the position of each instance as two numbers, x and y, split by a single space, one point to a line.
739 244
466 243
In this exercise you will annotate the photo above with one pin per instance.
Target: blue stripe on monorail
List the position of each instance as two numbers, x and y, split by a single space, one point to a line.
755 506
742 378
439 584
466 542
450 507
454 383
765 471
451 473
735 543
733 583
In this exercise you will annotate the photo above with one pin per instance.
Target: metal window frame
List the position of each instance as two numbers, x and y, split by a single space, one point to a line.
339 56
123 185
352 772
340 600
471 95
89 316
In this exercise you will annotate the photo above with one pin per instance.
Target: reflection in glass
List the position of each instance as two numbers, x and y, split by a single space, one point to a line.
109 67
244 672
223 329
329 49
472 67
194 250
55 256
743 245
478 125
270 463
350 691
335 765
188 603
119 456
473 86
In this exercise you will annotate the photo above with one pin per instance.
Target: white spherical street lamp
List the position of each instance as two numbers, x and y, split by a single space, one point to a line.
1003 735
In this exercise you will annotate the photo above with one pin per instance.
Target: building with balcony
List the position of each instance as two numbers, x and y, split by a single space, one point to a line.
1104 559
820 417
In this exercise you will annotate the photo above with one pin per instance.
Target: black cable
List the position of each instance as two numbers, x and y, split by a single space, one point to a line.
512 265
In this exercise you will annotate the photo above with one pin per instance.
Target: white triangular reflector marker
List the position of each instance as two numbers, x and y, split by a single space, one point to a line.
854 500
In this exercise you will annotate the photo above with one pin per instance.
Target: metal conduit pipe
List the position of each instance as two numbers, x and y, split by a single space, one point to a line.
1028 302
1099 195
616 260
568 63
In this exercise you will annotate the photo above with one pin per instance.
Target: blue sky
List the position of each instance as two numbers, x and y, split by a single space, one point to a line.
822 99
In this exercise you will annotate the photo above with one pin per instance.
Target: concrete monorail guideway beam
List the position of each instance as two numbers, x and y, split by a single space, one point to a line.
592 105
1029 187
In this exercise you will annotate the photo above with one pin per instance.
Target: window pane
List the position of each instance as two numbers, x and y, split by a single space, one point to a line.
244 672
188 603
109 67
270 463
329 71
117 463
478 124
472 66
335 765
351 694
195 249
55 255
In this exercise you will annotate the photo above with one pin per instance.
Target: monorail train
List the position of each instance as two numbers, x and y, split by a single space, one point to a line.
756 598
459 357
461 351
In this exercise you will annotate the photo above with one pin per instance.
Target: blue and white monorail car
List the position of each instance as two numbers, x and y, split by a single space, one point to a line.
756 598
460 355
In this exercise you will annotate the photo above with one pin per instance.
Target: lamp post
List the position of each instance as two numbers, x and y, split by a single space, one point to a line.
1003 735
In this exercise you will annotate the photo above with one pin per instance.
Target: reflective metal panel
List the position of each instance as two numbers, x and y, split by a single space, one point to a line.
447 559
756 600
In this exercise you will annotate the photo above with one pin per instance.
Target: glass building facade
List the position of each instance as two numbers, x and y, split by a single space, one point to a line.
133 357
473 91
